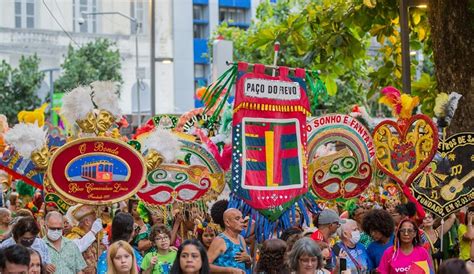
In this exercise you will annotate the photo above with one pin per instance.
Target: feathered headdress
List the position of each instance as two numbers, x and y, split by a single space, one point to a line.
26 138
402 105
76 104
164 142
445 106
105 97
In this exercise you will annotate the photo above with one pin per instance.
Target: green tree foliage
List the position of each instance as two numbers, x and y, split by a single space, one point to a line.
18 87
97 60
335 37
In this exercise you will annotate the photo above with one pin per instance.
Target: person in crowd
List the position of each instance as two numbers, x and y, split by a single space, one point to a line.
121 258
142 232
357 214
434 235
14 259
23 212
378 223
157 217
403 211
287 233
25 232
162 259
228 251
407 255
349 248
306 257
122 230
327 222
191 259
327 255
36 265
466 234
217 212
272 257
65 255
205 233
5 219
15 202
453 266
391 204
83 219
299 220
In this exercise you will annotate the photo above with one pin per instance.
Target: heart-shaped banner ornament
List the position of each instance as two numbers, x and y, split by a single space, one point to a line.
405 147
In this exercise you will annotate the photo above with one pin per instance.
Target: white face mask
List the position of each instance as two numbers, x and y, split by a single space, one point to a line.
54 235
355 236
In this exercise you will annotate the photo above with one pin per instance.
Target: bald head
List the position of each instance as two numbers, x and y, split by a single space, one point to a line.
233 220
230 213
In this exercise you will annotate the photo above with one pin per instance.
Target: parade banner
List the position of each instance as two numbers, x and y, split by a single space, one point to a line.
340 150
96 171
30 170
269 139
58 201
199 177
175 183
447 183
404 148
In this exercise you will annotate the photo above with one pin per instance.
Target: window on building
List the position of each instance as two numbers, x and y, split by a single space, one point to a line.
90 21
200 31
143 105
25 14
233 14
200 12
200 71
138 11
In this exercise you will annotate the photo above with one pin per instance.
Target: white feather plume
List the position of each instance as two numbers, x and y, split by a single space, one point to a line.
164 142
26 138
76 104
105 97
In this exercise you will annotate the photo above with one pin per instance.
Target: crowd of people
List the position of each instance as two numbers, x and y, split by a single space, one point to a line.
131 238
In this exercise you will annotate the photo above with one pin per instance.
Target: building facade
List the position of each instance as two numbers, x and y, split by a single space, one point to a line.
183 28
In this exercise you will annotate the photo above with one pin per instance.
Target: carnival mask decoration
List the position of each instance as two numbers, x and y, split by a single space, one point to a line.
94 109
340 150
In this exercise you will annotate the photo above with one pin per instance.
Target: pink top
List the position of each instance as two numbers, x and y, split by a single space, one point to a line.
417 262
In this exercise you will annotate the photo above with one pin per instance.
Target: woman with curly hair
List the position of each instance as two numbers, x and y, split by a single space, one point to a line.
378 223
272 256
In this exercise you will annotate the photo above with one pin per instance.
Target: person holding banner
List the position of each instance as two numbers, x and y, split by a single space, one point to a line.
434 235
84 221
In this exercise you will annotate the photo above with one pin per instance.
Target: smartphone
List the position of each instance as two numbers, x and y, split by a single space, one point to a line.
342 264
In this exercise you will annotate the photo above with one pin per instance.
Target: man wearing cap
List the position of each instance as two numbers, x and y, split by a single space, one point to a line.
327 223
83 233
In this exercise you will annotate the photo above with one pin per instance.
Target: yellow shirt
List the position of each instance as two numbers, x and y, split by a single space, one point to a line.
465 246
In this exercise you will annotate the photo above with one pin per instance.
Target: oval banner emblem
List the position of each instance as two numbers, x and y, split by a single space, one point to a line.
97 171
340 149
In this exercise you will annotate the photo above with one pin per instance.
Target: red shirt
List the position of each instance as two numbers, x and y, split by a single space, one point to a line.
317 236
